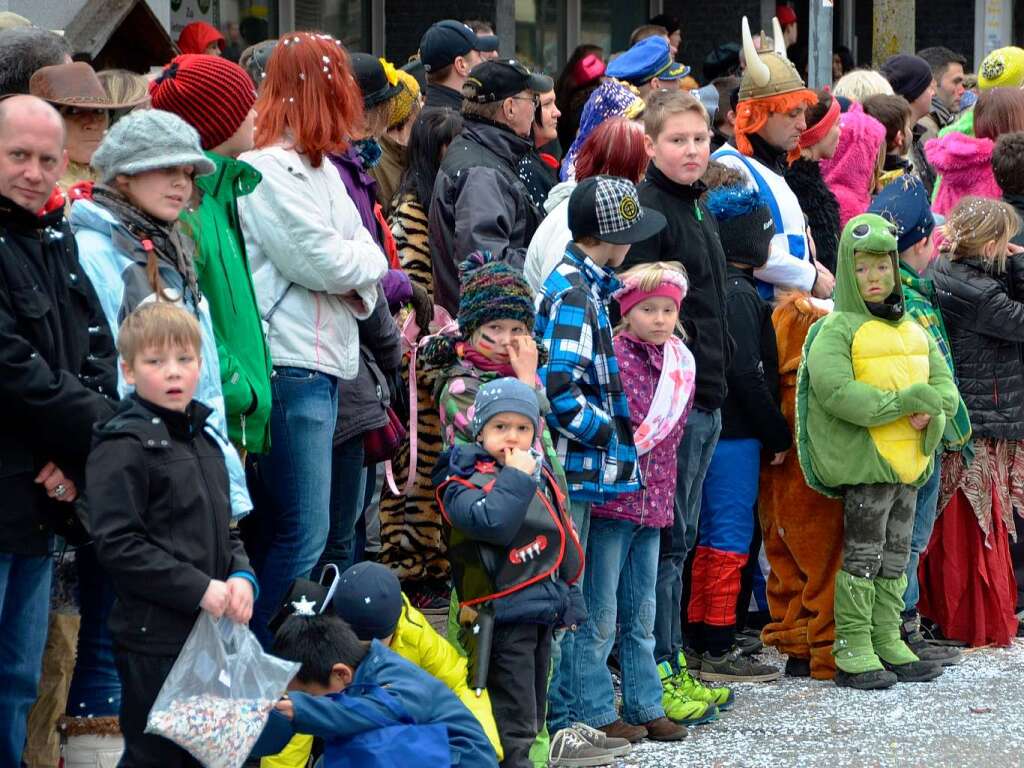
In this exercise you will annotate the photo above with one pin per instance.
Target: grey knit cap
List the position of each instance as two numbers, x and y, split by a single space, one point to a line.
148 139
505 395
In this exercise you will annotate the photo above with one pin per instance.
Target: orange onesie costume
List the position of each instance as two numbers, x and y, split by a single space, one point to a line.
803 530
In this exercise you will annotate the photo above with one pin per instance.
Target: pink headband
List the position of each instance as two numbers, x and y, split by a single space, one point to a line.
673 286
813 135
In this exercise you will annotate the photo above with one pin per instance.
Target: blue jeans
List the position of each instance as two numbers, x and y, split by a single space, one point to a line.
692 460
924 521
95 686
296 476
562 705
348 489
24 608
622 570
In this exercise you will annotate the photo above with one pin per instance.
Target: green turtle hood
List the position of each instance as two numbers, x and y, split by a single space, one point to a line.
867 233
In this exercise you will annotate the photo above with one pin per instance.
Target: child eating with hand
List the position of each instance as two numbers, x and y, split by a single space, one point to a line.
515 558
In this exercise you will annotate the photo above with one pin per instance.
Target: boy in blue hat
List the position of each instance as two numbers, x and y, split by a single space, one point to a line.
649 65
515 560
905 203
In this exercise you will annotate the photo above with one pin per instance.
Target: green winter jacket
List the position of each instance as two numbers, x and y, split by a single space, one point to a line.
862 376
226 282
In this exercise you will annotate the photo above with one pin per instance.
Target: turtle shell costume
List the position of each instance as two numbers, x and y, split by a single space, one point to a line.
868 369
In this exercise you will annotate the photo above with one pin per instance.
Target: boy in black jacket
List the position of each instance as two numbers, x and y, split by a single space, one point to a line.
678 142
159 512
752 422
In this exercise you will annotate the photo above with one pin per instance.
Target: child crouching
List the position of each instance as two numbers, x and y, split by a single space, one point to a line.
515 558
873 396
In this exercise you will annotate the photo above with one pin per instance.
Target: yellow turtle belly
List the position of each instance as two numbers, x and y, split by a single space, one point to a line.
891 358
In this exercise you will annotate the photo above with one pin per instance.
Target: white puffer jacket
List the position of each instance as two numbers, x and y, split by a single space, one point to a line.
308 248
547 247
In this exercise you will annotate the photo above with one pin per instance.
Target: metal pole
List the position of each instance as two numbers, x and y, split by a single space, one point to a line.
819 36
505 26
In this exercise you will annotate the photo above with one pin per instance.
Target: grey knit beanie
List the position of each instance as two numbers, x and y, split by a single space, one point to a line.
505 395
148 139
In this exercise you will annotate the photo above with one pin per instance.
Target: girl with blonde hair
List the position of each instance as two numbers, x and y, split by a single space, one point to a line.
968 585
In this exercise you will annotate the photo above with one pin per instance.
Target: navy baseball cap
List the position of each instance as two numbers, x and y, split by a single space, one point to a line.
369 599
904 202
449 38
608 208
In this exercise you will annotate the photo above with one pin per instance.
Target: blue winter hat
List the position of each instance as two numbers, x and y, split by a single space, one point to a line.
905 202
146 140
650 58
505 395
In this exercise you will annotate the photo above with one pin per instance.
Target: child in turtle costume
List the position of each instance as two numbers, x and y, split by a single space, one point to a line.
873 396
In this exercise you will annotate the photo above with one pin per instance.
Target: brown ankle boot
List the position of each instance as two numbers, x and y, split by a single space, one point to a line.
620 729
664 729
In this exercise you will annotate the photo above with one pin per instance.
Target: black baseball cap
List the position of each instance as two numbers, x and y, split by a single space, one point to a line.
608 208
497 79
449 38
372 79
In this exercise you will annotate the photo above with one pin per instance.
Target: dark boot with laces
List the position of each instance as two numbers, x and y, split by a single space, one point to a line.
910 630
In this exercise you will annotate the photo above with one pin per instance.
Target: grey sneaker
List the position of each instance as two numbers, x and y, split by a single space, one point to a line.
734 667
910 630
569 749
615 745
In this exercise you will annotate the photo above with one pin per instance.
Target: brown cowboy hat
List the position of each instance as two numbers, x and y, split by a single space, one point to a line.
73 85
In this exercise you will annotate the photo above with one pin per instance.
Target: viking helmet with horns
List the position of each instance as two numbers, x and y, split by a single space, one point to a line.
768 73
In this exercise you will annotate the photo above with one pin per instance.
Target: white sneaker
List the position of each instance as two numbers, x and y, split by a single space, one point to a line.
569 749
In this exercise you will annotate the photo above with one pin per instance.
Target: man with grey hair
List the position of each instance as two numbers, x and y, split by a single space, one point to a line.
56 369
23 50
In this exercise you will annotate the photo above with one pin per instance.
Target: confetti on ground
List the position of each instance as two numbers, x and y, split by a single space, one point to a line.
971 716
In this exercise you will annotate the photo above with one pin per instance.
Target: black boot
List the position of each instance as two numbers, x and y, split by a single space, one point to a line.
915 671
797 667
910 630
875 680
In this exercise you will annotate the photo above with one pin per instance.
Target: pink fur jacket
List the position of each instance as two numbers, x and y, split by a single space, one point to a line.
850 174
965 163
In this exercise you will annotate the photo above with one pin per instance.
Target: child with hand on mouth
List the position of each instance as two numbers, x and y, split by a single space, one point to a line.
515 558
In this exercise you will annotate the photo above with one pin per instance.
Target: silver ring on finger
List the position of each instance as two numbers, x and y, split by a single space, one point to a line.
60 490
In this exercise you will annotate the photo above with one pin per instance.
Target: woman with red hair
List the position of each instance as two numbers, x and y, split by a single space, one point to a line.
315 269
614 148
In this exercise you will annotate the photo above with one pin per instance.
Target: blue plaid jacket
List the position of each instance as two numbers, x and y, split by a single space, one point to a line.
589 414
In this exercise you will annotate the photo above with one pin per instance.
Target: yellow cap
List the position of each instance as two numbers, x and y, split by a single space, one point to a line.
1003 68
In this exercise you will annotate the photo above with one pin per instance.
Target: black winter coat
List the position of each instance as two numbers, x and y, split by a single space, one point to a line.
160 516
984 316
751 409
819 206
479 204
691 238
362 401
57 365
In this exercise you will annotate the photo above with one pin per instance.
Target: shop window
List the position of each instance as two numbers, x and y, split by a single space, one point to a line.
540 37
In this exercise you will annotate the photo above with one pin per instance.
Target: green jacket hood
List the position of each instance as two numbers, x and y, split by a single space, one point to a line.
868 233
231 178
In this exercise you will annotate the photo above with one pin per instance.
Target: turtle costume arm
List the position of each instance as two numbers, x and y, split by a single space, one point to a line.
830 371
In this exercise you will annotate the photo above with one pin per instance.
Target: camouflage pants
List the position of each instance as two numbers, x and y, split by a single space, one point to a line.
878 522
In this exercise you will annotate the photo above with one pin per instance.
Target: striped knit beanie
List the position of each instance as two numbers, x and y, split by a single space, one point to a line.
492 290
210 93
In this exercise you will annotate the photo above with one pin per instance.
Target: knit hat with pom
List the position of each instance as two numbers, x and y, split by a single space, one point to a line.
492 290
745 224
210 93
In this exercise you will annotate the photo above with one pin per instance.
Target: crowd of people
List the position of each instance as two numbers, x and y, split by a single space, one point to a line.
480 394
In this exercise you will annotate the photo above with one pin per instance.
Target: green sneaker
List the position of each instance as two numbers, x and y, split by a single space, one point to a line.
692 688
679 708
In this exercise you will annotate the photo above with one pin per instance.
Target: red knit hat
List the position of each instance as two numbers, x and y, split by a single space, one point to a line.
211 94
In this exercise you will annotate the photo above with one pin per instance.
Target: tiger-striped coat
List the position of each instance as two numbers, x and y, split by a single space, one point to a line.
411 532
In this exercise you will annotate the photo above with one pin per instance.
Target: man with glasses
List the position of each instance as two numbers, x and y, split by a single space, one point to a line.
479 202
